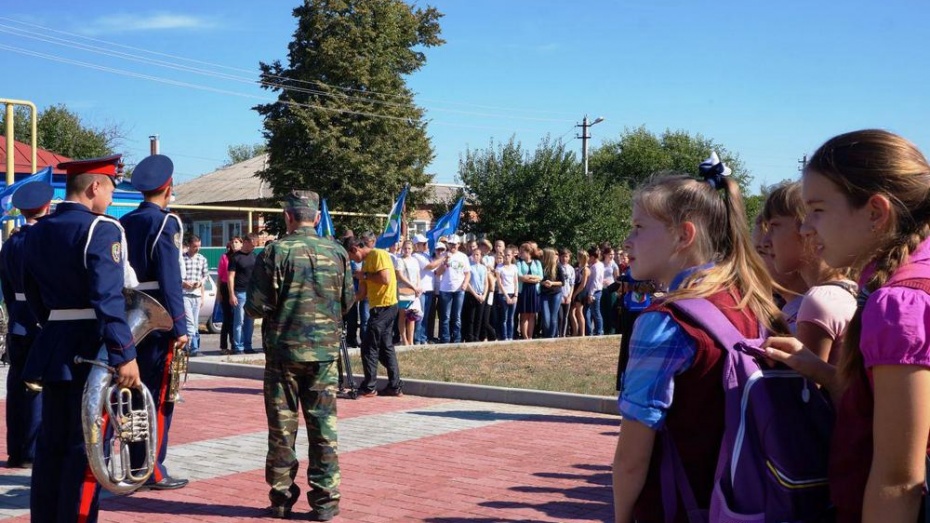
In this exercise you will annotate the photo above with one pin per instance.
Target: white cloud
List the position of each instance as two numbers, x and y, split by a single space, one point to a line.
124 23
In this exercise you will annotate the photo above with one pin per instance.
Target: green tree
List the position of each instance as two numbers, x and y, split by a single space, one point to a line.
639 153
242 152
542 196
345 123
64 132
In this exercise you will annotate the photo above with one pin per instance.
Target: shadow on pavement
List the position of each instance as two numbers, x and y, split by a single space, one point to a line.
158 506
224 390
593 501
490 415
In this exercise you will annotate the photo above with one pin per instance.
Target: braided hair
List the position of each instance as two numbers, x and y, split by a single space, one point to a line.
875 162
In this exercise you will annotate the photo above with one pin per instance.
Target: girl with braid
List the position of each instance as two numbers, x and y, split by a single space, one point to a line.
868 199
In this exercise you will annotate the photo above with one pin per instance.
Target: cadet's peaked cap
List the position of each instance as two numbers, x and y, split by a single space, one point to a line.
153 173
302 200
108 165
32 196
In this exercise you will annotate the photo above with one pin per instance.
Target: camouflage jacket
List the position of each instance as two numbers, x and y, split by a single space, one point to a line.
301 286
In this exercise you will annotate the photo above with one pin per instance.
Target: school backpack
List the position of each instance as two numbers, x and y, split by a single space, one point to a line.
772 465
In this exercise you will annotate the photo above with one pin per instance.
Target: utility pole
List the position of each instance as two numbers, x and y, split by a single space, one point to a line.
585 137
802 163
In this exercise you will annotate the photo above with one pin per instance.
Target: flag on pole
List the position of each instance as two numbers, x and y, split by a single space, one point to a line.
325 228
6 195
446 225
394 228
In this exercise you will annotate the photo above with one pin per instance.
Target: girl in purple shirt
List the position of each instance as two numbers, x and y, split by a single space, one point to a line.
868 202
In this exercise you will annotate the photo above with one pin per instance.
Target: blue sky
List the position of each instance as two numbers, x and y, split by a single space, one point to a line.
770 81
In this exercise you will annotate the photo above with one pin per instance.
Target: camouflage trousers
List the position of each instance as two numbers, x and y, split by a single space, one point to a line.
312 387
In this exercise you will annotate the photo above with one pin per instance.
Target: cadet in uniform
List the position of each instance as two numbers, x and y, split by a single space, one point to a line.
154 238
75 271
23 405
302 288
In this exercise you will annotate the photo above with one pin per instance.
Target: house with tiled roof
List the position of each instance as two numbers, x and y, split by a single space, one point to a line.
239 186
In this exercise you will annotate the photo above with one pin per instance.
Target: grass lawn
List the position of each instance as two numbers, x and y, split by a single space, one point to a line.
578 365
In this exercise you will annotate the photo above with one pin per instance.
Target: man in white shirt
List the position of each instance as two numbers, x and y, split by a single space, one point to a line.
454 272
421 245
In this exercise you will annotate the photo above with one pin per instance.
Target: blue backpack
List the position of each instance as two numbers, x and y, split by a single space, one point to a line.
772 465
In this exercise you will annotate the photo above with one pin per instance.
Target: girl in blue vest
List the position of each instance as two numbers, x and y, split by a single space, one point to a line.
868 200
692 236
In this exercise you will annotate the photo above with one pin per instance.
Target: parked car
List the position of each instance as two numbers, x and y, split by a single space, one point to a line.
213 323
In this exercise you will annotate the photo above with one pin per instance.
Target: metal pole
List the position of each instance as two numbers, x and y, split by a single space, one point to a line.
10 146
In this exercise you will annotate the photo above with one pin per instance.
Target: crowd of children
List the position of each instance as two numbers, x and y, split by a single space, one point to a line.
835 276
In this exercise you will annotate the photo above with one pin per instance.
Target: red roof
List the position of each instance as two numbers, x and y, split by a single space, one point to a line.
22 156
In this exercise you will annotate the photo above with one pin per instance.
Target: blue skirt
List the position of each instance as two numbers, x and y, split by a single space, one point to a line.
528 300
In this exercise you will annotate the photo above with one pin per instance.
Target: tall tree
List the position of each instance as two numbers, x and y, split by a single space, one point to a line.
541 195
345 123
64 132
639 153
242 152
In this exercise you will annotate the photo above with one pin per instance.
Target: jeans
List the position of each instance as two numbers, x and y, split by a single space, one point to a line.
549 313
505 316
192 315
426 303
242 325
377 346
450 310
592 316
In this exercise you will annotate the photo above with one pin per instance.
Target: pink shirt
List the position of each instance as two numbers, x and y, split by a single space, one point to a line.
895 320
831 308
222 272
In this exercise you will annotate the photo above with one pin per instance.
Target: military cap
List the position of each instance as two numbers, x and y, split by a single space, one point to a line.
108 165
32 196
153 173
302 200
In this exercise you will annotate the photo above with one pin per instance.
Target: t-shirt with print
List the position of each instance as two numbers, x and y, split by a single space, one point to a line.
790 312
380 294
457 266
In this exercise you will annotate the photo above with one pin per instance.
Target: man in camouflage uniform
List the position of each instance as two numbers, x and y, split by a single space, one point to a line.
301 287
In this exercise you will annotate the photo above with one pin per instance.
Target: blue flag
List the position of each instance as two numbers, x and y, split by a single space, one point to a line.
446 225
325 228
394 228
6 195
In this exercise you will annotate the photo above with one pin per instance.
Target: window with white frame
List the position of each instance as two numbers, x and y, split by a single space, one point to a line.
418 227
204 230
231 228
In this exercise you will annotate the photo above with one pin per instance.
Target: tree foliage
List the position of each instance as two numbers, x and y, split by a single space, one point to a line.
347 126
242 152
541 195
639 153
64 132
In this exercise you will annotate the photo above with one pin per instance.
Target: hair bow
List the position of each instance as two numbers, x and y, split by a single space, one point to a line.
713 171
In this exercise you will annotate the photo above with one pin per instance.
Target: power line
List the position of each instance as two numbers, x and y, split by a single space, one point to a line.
220 66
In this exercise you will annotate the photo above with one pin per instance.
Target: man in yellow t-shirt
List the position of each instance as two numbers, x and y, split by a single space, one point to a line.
379 284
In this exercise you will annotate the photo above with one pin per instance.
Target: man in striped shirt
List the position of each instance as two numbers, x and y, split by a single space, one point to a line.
195 273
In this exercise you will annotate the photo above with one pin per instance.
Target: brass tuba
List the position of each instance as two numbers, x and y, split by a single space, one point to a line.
129 413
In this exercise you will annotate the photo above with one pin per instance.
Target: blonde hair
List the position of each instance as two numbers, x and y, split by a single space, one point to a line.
722 236
550 261
876 162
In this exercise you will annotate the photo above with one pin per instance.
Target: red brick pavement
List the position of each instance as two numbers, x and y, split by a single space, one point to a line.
550 467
